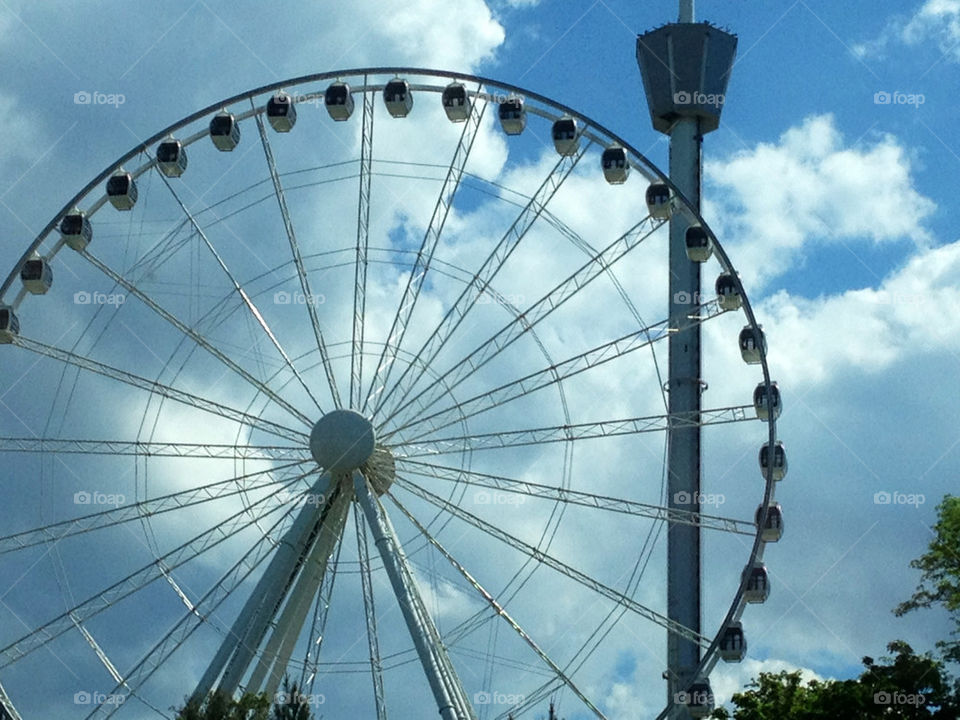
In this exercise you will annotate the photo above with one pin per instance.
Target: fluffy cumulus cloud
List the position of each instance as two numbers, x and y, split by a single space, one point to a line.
870 329
935 21
812 185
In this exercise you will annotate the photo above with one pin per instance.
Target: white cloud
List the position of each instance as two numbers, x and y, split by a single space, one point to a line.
728 679
935 20
812 186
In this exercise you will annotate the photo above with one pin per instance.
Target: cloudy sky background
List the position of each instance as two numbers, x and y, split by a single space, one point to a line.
835 208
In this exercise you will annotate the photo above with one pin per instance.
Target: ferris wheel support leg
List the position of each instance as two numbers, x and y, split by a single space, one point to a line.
683 485
239 646
447 690
273 662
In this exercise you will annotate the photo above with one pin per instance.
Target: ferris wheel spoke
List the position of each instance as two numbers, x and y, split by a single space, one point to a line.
596 266
56 532
544 559
370 612
446 686
424 256
193 335
575 497
247 301
298 262
159 388
363 242
553 374
481 279
455 444
73 446
500 611
200 612
137 580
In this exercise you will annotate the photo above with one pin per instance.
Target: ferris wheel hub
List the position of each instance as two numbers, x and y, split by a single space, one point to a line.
342 440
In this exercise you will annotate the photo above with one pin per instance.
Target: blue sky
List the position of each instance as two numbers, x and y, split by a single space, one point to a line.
837 208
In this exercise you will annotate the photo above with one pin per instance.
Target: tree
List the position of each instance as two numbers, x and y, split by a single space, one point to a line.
940 578
222 706
907 686
291 704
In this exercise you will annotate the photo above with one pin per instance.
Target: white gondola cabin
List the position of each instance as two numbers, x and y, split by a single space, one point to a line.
751 343
339 101
659 203
733 643
699 699
773 527
172 157
9 324
224 131
615 165
76 230
757 589
281 112
699 244
36 275
513 115
456 102
779 461
728 292
398 98
765 405
122 190
566 136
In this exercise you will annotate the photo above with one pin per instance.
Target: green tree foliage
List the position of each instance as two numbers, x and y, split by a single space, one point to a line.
221 706
940 578
907 686
291 704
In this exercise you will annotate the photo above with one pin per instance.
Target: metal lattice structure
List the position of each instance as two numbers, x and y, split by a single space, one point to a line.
370 319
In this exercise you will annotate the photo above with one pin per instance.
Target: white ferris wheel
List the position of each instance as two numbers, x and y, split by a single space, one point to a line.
363 396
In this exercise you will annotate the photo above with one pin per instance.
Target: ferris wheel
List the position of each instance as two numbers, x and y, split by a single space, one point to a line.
369 395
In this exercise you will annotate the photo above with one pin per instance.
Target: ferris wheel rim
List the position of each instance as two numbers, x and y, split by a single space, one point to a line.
756 553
